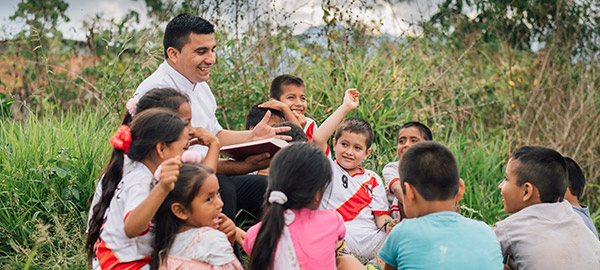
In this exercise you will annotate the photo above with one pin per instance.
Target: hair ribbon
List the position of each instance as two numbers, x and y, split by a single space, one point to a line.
122 139
277 197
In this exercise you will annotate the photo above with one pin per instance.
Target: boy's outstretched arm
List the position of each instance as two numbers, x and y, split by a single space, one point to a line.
328 127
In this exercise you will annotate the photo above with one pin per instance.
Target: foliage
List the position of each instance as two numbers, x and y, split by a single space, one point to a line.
571 25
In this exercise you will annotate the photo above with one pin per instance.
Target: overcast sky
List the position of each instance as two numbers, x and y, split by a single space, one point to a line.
395 16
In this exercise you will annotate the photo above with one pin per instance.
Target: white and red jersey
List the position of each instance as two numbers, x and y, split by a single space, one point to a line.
114 250
391 175
358 198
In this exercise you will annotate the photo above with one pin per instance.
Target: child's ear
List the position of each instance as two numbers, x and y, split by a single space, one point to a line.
368 152
527 191
160 149
409 193
179 211
461 190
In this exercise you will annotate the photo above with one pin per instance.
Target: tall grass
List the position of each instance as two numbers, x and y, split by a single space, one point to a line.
47 174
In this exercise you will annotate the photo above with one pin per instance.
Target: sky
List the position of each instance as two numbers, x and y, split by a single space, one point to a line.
396 15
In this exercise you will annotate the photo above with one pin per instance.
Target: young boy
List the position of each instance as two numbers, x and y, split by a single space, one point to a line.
434 236
356 193
256 114
409 134
575 190
543 232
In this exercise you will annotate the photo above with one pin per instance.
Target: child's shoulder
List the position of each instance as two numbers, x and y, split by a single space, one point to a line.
392 166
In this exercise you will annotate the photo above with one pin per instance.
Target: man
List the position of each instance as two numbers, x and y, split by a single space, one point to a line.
189 47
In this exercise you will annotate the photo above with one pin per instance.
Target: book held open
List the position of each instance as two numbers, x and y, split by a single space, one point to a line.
243 150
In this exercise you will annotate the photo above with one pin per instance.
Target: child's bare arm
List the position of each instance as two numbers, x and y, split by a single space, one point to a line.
214 145
285 109
328 127
380 221
240 235
137 221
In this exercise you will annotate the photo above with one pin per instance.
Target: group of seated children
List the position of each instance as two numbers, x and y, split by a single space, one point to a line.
157 208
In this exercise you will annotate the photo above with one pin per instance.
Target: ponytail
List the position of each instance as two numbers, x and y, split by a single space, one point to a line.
267 237
112 174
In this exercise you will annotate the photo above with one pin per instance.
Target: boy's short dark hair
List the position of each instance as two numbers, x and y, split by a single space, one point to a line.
355 125
177 32
430 167
423 129
544 168
576 178
297 133
256 114
282 80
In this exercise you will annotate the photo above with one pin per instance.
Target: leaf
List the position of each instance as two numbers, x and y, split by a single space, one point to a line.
62 173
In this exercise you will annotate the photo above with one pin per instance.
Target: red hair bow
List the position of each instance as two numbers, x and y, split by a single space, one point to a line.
122 139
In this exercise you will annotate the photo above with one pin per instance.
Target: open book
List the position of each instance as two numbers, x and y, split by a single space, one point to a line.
243 150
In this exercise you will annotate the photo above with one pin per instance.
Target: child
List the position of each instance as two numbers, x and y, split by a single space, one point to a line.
295 132
186 225
177 102
293 234
543 232
575 190
119 233
356 193
409 134
434 236
256 114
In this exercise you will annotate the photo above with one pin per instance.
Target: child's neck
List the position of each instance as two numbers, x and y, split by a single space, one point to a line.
430 207
354 171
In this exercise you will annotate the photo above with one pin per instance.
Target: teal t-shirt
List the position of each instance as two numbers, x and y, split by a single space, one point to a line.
443 240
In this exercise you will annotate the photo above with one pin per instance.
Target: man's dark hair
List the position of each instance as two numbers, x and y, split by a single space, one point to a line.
358 126
423 129
544 168
177 32
282 80
430 167
256 114
576 178
297 133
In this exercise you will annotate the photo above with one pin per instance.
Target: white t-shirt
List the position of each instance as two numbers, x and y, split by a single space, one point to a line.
357 198
548 236
202 101
203 244
115 245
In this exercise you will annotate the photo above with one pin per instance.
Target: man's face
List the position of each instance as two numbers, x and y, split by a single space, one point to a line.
195 58
512 193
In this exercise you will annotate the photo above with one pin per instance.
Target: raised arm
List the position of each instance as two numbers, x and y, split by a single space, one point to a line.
204 137
328 127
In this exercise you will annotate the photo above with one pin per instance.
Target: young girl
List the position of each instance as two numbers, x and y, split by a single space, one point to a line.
186 223
293 234
119 235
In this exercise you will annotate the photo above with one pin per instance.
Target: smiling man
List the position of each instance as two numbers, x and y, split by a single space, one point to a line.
189 48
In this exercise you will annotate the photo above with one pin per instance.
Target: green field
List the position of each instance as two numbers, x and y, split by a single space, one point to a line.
482 98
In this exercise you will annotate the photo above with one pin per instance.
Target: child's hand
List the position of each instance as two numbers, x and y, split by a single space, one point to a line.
301 119
351 98
204 137
227 226
169 171
274 104
240 235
